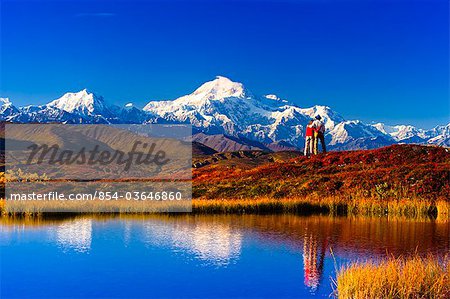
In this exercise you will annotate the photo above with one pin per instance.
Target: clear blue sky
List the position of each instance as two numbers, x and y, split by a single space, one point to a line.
367 59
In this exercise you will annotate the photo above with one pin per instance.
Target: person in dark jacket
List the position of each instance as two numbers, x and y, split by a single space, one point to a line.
319 134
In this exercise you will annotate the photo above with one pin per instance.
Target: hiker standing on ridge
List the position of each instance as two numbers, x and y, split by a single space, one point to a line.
309 139
319 134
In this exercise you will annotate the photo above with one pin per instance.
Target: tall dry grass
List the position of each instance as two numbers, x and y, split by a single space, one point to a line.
38 208
443 209
403 207
261 205
2 205
396 278
332 205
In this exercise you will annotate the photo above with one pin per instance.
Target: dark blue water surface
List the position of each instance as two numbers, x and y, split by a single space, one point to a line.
275 256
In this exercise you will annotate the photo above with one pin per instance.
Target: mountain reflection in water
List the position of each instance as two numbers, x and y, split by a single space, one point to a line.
75 235
215 243
232 242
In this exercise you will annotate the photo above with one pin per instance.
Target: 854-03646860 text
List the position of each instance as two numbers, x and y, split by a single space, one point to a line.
98 168
100 195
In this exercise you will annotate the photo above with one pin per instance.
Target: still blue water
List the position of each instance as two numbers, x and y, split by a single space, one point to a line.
279 256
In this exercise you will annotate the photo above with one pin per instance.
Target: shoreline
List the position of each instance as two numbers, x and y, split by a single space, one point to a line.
401 180
333 206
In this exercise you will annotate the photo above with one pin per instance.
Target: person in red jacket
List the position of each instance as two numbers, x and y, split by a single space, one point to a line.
309 141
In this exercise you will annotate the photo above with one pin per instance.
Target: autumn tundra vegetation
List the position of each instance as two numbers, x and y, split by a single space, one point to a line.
406 180
410 180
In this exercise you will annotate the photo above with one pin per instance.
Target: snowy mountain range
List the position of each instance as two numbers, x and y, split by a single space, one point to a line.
227 109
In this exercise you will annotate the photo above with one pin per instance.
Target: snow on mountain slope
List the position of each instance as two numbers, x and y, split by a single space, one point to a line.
73 108
329 117
220 105
218 89
7 109
131 115
439 130
82 103
401 132
440 135
224 107
5 104
347 131
46 114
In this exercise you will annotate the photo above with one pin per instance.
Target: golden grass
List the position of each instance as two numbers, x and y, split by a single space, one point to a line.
443 209
30 208
405 207
260 205
333 205
327 205
396 278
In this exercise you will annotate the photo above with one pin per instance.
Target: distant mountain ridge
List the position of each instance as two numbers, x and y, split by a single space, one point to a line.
237 119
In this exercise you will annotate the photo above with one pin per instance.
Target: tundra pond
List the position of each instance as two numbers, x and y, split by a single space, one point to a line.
200 256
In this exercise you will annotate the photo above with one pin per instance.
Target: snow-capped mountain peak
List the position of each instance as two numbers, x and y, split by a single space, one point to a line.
82 102
220 88
7 108
226 107
5 102
222 106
